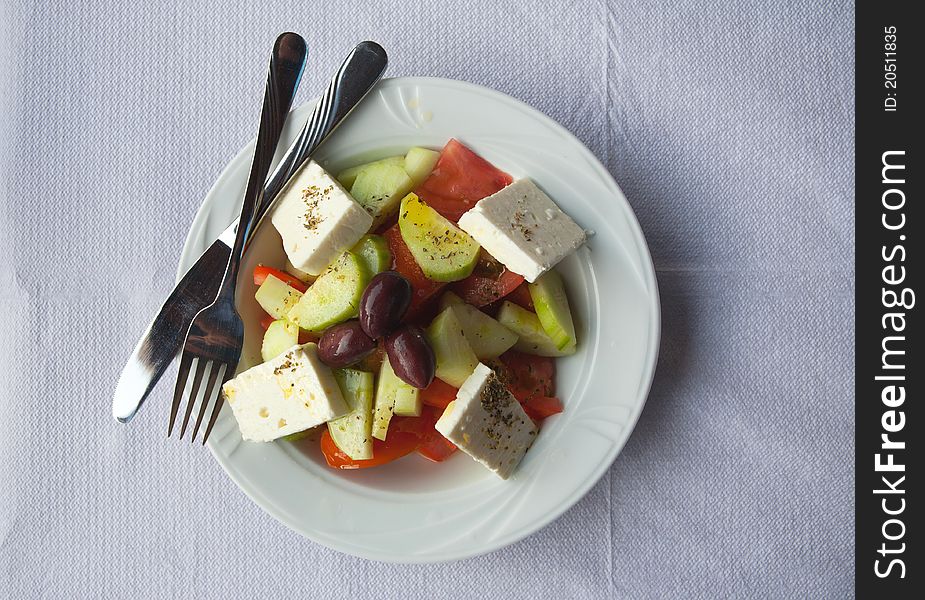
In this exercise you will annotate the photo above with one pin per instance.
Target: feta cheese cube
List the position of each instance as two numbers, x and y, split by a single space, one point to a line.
317 219
488 423
523 228
290 393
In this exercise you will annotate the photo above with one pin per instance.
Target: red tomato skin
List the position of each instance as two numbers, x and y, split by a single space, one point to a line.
307 336
414 425
433 445
521 296
436 448
540 407
261 272
527 375
438 394
481 289
459 180
265 320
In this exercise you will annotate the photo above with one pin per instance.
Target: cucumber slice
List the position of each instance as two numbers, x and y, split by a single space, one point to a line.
407 405
379 188
277 298
348 176
374 251
455 358
403 398
351 433
532 338
551 303
442 250
334 297
450 299
487 337
419 162
298 273
384 405
280 336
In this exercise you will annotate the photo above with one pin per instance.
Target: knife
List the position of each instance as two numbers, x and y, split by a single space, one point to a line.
163 338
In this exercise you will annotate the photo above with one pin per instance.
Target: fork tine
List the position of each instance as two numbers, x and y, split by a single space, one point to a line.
182 376
207 396
218 404
194 391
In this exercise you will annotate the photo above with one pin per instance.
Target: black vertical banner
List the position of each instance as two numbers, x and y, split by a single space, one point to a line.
890 368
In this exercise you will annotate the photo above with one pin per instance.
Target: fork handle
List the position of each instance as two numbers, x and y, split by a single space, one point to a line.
286 66
360 71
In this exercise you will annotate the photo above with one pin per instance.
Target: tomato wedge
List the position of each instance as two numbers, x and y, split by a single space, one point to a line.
433 445
490 281
438 394
532 380
528 376
422 288
398 444
540 407
261 272
521 296
436 447
459 180
307 336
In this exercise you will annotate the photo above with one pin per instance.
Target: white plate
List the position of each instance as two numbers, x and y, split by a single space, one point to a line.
413 510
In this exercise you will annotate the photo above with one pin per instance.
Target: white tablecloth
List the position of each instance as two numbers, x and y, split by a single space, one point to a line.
729 126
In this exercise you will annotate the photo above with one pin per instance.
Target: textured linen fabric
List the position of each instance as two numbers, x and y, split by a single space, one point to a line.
729 125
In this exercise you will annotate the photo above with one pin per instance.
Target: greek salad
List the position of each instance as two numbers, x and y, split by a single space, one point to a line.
418 311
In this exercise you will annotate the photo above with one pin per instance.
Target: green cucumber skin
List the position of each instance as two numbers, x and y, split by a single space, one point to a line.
486 336
348 176
379 189
532 338
417 162
374 251
352 432
443 251
334 297
552 309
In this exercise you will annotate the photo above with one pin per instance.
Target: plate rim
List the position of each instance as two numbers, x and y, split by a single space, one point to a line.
189 255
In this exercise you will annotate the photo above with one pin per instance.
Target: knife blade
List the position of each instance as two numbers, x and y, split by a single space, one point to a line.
161 341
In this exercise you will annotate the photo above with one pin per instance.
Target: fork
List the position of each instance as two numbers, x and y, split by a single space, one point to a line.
216 334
